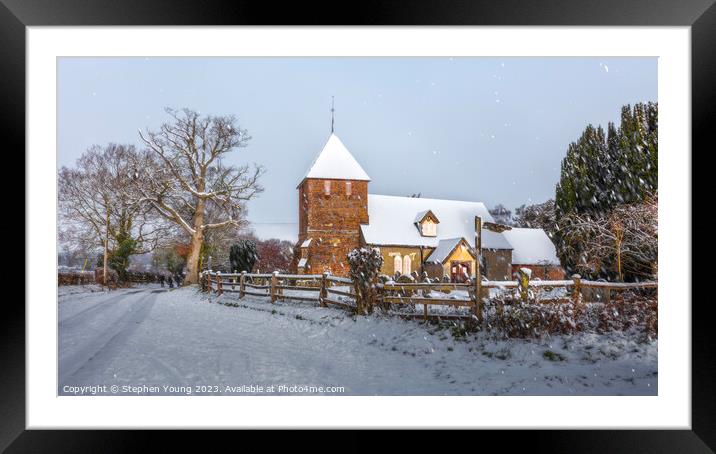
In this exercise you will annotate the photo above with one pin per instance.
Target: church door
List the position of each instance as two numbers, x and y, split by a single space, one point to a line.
459 271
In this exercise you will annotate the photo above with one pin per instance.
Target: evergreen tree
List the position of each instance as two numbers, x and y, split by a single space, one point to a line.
583 180
119 257
603 171
243 256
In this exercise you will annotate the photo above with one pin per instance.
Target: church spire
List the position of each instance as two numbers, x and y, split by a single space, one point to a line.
332 112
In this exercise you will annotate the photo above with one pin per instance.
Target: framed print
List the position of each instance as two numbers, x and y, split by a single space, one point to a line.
416 217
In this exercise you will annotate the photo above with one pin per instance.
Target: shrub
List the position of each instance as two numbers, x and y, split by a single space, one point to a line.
630 310
365 265
75 277
524 320
243 256
553 356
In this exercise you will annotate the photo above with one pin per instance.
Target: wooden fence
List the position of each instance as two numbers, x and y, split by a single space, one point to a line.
319 288
332 290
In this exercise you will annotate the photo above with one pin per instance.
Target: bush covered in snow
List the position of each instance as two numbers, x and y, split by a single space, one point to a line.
621 244
534 319
365 265
628 311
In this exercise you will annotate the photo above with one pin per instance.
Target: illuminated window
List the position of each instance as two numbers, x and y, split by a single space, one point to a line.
327 187
429 228
348 188
398 264
406 265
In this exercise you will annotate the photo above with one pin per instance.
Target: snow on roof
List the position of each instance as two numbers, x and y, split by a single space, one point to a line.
445 247
391 222
306 242
531 247
335 161
302 263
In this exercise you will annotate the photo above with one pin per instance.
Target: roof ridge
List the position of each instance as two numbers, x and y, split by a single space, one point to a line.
426 198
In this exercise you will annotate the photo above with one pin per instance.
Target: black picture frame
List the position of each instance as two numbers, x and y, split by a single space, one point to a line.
700 15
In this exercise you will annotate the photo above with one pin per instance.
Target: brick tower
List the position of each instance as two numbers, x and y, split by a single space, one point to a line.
332 204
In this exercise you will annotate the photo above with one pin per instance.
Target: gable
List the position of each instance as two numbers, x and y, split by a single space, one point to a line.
425 215
451 248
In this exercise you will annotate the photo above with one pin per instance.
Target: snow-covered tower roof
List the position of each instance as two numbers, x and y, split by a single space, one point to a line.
335 162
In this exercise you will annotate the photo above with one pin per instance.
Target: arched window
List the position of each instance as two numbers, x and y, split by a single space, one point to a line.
348 188
327 187
406 265
398 264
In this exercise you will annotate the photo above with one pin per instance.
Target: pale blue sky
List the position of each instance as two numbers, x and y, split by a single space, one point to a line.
483 129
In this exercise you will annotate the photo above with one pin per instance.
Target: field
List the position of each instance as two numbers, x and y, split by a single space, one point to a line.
154 341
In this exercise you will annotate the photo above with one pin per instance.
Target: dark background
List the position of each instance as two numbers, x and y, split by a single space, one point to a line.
15 15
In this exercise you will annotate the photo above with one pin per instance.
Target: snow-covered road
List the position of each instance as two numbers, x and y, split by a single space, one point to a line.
144 339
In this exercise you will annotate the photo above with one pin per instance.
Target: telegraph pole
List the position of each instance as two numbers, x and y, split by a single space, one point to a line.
478 278
106 250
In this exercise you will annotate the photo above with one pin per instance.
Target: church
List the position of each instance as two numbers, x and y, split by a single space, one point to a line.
337 214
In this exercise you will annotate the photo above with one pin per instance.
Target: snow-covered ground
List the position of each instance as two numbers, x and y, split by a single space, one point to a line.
146 338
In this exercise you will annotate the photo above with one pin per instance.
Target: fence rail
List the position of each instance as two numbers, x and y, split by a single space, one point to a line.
327 289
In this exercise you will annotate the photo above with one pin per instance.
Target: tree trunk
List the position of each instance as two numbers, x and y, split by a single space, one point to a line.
197 239
106 251
192 260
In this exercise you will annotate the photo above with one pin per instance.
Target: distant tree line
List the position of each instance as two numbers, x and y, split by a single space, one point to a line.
177 195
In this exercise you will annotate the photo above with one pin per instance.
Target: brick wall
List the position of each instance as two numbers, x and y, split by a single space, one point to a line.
544 272
498 262
332 221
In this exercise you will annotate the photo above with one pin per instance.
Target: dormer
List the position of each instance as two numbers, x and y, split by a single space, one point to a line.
427 223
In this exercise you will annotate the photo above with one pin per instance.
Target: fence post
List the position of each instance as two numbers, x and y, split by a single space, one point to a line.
233 280
208 282
524 283
607 295
274 281
425 311
323 293
576 293
242 287
219 286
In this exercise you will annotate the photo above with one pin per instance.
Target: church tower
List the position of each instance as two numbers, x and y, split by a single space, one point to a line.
332 204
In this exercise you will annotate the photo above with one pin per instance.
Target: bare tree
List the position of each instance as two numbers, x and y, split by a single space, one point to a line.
541 215
274 255
622 242
186 182
501 214
97 205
